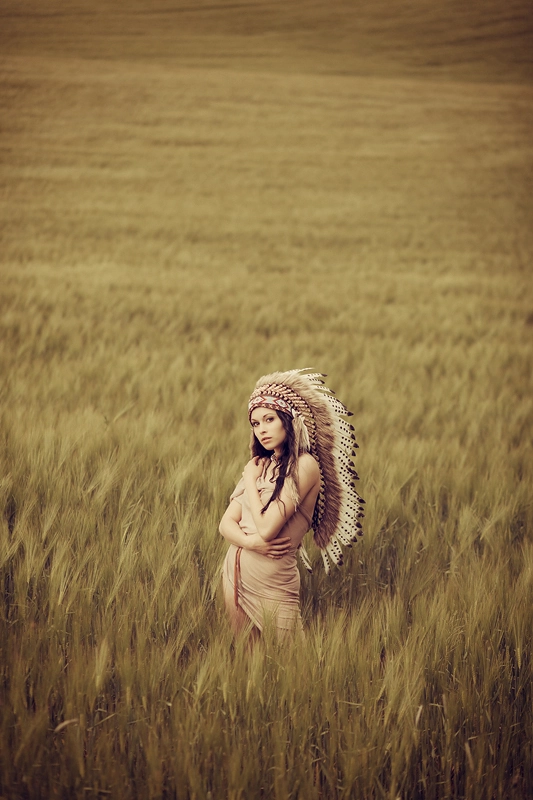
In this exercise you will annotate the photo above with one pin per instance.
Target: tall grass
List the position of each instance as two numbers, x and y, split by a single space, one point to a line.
145 286
414 679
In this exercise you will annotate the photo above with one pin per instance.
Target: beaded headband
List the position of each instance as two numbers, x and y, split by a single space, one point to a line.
265 401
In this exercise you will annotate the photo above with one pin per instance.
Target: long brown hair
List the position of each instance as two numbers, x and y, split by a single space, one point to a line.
287 463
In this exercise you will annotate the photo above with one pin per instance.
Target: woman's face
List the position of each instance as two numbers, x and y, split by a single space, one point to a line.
268 428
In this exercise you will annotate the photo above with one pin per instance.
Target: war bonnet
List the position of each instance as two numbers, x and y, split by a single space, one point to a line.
320 426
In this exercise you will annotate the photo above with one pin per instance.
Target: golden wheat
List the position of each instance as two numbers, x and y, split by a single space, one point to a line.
170 234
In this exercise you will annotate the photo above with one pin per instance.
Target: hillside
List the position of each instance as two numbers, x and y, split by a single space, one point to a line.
491 41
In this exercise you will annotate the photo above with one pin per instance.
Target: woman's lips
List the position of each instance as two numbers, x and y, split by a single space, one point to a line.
267 439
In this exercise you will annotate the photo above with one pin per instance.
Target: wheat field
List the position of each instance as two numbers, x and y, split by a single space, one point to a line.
190 200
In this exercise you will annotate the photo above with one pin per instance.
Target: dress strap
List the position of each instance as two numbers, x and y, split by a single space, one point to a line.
237 576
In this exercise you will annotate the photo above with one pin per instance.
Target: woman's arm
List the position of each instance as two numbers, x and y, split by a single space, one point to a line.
281 510
230 529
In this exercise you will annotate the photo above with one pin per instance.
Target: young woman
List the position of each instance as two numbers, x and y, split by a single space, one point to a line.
300 476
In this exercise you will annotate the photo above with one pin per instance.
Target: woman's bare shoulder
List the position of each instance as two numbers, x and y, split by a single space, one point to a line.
308 465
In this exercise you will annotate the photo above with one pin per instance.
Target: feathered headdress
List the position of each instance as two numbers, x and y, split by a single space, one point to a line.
320 427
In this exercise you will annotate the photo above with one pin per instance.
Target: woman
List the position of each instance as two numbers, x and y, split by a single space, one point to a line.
300 476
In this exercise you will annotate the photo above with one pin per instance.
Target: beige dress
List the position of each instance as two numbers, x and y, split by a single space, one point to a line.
267 588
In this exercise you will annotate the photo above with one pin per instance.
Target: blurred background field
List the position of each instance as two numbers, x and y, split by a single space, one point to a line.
196 194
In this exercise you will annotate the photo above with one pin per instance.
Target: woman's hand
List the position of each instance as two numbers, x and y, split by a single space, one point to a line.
277 548
254 469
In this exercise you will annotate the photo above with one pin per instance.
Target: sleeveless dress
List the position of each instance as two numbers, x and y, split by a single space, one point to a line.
267 589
